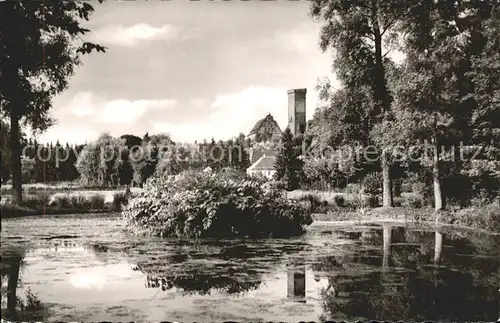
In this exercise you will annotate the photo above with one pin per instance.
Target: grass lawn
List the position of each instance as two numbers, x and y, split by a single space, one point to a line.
53 191
60 198
323 195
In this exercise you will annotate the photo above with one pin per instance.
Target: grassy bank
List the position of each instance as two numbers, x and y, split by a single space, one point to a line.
410 208
12 211
63 204
325 206
486 217
58 187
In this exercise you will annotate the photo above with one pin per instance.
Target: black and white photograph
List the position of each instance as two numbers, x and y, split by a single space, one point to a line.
250 160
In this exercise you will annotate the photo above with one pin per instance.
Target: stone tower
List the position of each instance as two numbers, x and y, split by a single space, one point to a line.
297 110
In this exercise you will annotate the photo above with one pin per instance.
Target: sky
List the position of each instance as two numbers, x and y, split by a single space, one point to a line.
194 70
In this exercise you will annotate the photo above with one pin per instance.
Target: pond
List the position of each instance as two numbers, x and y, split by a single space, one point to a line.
89 268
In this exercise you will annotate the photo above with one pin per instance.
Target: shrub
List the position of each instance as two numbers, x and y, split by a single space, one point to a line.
372 184
339 200
486 217
353 188
354 202
9 210
63 201
119 200
482 199
315 204
371 201
398 201
97 202
80 202
406 187
232 173
278 185
414 201
194 204
35 202
312 199
32 309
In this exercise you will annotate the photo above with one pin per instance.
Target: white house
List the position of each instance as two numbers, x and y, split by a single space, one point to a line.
264 166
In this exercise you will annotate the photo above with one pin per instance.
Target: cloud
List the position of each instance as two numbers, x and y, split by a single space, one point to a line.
81 105
70 134
212 81
124 111
98 109
132 35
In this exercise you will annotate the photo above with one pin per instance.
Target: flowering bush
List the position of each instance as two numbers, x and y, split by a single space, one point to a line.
201 205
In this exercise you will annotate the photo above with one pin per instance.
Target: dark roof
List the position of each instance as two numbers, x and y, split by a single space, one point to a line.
258 124
256 127
264 163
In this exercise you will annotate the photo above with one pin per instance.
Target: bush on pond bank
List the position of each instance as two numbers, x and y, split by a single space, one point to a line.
61 204
194 204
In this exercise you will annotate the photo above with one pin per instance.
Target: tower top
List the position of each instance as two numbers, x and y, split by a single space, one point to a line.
297 91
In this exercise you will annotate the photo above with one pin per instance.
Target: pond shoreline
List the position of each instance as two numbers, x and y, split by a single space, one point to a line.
346 218
14 211
375 220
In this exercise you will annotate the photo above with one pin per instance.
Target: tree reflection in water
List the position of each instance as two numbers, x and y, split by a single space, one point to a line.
414 280
13 307
201 284
209 267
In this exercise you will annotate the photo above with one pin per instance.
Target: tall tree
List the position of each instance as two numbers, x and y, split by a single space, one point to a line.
358 31
239 153
435 97
41 46
144 159
484 171
100 161
288 164
5 151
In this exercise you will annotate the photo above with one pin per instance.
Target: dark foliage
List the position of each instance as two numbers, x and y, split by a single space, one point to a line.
195 204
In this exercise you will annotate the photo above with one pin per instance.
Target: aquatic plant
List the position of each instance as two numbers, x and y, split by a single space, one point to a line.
196 204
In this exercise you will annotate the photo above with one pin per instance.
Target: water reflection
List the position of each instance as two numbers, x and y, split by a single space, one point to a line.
455 284
438 246
387 233
233 269
373 272
11 266
296 287
14 307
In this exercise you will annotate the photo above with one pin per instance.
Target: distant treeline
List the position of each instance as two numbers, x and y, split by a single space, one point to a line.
124 160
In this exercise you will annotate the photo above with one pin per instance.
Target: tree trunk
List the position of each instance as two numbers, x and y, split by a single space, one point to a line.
387 198
15 147
436 175
14 267
382 102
